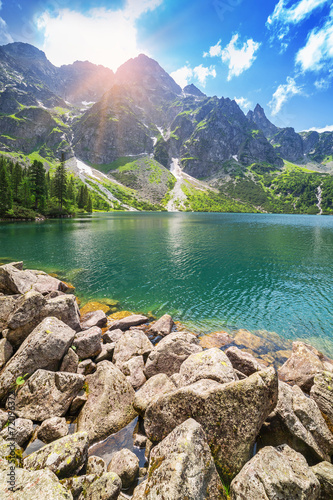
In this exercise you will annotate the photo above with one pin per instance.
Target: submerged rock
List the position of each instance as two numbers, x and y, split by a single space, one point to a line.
215 339
126 464
210 364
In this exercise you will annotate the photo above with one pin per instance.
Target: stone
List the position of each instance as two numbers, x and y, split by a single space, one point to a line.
20 431
211 364
170 353
126 464
132 343
106 353
64 308
52 429
14 280
112 336
126 323
11 452
162 326
7 306
3 418
78 402
244 361
88 343
250 341
109 406
322 393
47 394
46 284
65 457
297 421
6 352
139 440
305 362
95 318
41 484
215 339
154 387
133 369
276 473
96 465
86 367
105 487
181 466
70 362
324 473
139 491
43 348
77 484
231 415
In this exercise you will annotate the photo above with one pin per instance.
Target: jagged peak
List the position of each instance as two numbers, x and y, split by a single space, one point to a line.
193 90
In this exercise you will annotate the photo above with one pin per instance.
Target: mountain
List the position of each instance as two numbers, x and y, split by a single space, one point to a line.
258 117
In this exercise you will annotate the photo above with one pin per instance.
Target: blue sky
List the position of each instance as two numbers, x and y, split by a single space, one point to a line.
275 52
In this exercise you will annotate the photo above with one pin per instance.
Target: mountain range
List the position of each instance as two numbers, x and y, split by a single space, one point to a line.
137 130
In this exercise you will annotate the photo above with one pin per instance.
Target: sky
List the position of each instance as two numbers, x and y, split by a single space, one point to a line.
278 53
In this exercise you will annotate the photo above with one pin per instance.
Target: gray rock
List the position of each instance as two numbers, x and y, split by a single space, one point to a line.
132 343
77 484
243 361
304 363
96 465
88 343
276 473
78 402
14 280
170 353
43 348
3 418
47 394
210 364
322 393
126 464
65 457
133 369
181 466
139 492
106 353
324 473
230 414
20 431
151 390
105 487
70 362
139 440
52 429
11 452
95 318
64 308
162 326
7 306
109 406
126 323
112 336
86 367
41 484
6 352
46 284
297 421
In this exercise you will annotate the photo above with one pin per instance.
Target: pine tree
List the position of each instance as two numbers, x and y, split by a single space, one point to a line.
24 192
38 183
71 190
60 183
16 179
6 198
89 205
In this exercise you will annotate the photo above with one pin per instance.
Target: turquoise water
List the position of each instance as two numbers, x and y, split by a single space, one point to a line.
212 271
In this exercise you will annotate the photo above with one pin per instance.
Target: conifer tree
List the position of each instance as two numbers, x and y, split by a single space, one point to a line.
6 198
60 183
89 205
38 183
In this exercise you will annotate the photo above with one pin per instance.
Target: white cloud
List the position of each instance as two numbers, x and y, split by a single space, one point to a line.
296 13
239 59
283 93
318 49
214 51
243 103
102 36
328 128
5 36
184 75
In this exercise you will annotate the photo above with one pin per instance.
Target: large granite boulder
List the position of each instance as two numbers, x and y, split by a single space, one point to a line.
131 343
6 351
7 306
133 369
52 429
46 284
210 364
322 393
170 353
43 348
162 326
126 464
230 414
181 466
88 343
14 280
297 421
70 362
47 394
324 473
126 323
65 457
243 361
276 473
109 406
151 390
304 363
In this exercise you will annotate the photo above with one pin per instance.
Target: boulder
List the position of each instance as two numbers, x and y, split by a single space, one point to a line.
210 364
20 431
46 284
324 473
162 326
78 402
156 386
70 362
139 491
78 484
126 323
181 466
322 393
139 440
105 487
88 343
276 473
6 352
64 308
33 486
96 465
11 452
304 363
43 348
3 418
65 457
297 421
86 367
47 394
112 336
126 464
133 369
52 429
14 280
170 353
109 406
95 318
7 306
230 414
244 361
132 343
106 353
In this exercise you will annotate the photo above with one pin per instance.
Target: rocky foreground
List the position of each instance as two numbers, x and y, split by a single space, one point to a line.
215 424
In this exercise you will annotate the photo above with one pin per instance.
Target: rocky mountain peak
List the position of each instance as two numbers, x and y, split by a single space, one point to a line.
259 117
20 50
193 90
